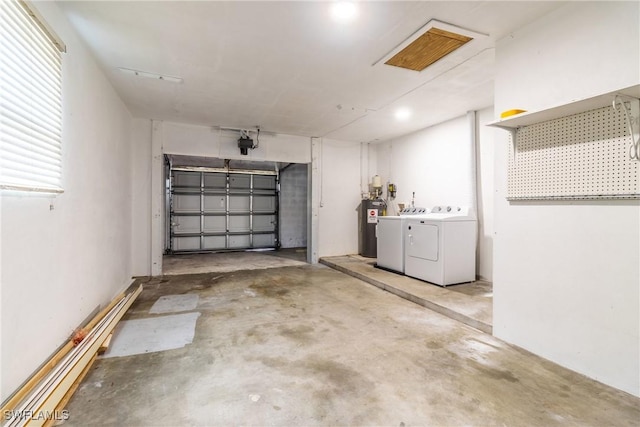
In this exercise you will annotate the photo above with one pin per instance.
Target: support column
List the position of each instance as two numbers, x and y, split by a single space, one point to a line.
313 200
157 198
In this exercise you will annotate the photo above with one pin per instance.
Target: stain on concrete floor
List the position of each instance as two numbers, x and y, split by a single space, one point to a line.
231 261
307 345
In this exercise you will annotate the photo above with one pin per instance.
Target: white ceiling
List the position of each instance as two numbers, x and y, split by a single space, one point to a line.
288 68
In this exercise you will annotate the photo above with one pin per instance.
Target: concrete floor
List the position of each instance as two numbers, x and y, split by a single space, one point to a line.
231 261
469 303
308 345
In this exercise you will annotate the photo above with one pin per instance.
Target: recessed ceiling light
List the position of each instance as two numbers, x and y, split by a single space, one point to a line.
344 11
402 114
151 75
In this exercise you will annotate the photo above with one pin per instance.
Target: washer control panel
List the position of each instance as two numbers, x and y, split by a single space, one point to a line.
413 211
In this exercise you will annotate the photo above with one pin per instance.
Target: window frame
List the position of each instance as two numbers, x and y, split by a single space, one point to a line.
31 108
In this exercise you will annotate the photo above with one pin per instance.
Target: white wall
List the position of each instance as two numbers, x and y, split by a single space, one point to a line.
339 197
485 149
205 141
435 163
63 256
566 278
141 197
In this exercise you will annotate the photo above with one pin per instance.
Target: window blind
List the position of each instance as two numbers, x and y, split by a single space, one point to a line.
31 104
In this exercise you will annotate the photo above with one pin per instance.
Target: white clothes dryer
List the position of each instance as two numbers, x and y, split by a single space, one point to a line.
440 247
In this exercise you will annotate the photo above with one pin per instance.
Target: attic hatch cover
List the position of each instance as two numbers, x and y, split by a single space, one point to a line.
432 42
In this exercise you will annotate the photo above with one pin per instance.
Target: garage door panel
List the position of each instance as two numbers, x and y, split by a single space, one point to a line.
186 203
214 243
215 203
186 179
215 180
186 243
264 204
239 224
264 182
239 242
215 224
264 223
240 210
237 181
187 224
263 241
239 204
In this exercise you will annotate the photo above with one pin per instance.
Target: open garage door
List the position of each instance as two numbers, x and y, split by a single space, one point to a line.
222 209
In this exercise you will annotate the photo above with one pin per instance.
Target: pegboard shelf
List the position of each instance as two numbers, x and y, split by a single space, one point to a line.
529 118
579 156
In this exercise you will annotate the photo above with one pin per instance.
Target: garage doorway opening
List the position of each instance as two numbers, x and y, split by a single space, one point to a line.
219 207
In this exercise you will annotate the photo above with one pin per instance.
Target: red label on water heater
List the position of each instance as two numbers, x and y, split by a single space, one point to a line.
372 216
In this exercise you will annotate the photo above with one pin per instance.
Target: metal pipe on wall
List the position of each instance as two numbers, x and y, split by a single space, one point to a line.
473 130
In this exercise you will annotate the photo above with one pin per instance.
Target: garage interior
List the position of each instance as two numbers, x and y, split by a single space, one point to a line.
207 223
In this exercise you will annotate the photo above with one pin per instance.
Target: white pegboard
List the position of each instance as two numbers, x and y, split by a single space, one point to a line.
583 156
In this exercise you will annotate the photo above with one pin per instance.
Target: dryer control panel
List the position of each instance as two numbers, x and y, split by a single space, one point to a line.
452 213
446 209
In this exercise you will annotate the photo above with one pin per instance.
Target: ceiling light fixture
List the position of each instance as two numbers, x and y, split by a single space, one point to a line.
151 75
402 114
344 11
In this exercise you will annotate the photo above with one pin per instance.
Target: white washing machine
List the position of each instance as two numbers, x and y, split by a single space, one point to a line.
390 235
440 246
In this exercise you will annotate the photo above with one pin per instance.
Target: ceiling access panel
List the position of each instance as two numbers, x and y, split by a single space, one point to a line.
430 47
